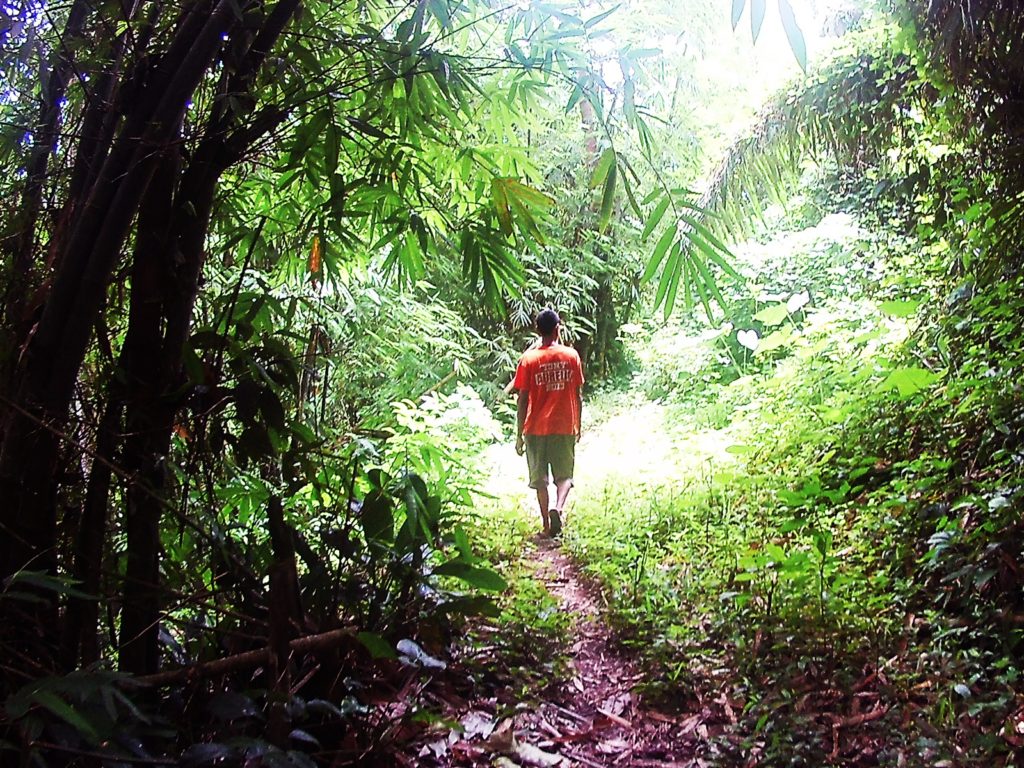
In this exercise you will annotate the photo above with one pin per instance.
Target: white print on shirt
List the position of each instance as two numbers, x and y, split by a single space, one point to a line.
553 376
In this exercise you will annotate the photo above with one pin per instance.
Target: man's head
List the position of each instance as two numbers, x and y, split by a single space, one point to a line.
547 322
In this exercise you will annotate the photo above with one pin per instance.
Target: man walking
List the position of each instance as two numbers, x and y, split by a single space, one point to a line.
549 378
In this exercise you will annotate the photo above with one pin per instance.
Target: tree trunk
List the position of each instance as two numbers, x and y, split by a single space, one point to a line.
82 618
115 170
145 408
157 356
87 257
285 621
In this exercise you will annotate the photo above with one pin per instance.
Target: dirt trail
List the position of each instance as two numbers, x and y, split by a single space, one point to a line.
590 715
597 718
588 712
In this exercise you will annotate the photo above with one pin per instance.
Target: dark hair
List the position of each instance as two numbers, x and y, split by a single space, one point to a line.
547 321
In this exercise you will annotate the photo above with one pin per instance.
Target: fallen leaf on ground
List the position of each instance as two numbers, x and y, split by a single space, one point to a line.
613 745
477 724
660 717
503 738
530 755
411 653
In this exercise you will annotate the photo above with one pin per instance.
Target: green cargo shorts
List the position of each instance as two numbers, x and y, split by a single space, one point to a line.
555 451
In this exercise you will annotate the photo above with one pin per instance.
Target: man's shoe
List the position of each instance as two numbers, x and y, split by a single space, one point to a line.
556 522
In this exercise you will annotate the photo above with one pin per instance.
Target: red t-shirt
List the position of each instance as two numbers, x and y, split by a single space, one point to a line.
551 376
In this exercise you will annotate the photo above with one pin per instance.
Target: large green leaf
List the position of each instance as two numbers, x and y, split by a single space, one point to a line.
899 308
377 517
775 340
909 381
378 647
772 315
474 575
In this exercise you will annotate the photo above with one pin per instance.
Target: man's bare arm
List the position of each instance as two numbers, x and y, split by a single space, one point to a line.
579 410
521 407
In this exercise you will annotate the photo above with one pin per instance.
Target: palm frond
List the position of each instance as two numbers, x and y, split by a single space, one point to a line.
864 103
848 110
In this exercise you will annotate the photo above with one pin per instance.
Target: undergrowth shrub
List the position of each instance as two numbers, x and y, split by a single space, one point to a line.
865 514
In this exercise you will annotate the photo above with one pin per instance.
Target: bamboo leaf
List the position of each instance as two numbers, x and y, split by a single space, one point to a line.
708 280
702 294
713 255
659 253
574 98
366 128
590 23
737 12
629 101
655 218
500 200
706 233
677 260
626 185
688 286
57 706
757 9
666 274
604 164
526 220
793 33
528 194
608 198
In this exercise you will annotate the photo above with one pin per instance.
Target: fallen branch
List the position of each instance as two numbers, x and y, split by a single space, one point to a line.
838 723
615 718
242 660
103 756
855 720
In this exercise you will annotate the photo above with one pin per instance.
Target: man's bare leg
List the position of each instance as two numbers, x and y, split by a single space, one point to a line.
542 500
562 488
555 513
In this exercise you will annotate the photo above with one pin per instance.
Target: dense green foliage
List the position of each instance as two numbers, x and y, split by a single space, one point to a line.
266 270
